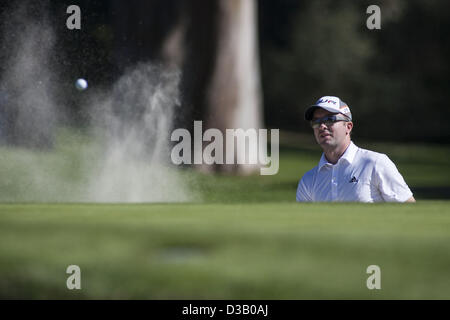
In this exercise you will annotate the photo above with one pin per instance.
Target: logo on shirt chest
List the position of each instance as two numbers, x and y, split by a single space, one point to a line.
353 180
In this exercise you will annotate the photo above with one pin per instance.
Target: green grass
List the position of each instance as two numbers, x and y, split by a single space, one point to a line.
245 239
225 251
61 174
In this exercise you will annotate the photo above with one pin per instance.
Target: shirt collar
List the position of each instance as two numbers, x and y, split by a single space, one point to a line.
349 155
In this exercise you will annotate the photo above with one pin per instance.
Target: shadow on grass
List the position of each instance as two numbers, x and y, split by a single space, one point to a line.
431 192
425 193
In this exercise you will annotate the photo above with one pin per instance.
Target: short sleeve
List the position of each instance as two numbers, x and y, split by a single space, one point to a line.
303 193
390 182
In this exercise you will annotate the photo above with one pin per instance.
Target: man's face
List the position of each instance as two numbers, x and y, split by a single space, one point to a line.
333 135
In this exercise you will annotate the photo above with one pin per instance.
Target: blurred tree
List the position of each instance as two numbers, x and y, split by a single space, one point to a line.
388 76
326 55
410 72
308 49
214 43
234 99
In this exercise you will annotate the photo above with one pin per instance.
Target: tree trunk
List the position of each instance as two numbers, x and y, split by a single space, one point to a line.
234 99
214 43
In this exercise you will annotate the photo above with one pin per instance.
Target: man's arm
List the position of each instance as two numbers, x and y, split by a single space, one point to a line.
390 182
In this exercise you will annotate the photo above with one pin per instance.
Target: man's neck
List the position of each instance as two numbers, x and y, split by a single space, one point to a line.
333 155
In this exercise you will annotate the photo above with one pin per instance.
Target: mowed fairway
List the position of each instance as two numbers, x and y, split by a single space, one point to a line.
225 251
245 237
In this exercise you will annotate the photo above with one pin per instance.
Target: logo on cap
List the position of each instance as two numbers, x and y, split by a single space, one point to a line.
344 109
326 101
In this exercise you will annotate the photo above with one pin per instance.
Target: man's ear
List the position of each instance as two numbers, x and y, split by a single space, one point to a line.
349 126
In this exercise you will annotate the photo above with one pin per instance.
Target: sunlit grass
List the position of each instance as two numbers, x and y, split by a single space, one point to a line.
244 237
220 251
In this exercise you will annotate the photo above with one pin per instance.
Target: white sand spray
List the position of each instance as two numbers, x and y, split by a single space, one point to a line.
125 158
27 79
133 123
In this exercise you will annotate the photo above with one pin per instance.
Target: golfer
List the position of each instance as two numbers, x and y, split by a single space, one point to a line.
346 172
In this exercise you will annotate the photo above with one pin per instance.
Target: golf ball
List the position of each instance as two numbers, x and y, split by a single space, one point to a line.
81 84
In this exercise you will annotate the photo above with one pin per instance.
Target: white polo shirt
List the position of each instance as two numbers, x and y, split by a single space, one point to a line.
359 176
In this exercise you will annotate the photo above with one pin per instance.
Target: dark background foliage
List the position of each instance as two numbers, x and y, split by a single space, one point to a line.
395 79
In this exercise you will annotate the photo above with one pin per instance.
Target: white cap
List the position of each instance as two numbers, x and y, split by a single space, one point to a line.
331 104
